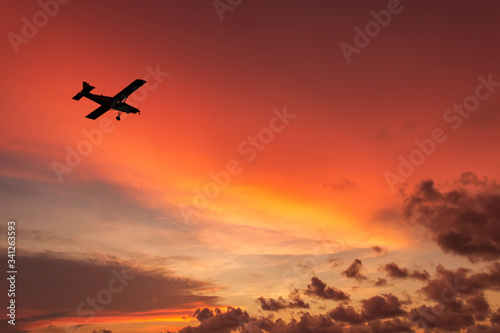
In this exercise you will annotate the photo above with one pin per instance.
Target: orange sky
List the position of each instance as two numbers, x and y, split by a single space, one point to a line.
214 87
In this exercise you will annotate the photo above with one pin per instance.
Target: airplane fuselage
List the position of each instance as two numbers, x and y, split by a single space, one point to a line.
99 99
111 103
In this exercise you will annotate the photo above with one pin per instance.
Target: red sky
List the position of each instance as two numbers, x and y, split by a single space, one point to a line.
308 194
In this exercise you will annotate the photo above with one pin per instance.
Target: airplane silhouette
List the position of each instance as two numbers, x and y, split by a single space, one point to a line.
116 103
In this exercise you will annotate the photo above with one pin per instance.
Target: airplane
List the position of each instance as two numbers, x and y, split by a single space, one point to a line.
116 103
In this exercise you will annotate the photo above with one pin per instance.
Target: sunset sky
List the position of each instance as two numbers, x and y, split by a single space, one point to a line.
298 166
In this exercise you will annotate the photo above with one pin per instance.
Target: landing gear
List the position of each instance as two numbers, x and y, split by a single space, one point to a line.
118 116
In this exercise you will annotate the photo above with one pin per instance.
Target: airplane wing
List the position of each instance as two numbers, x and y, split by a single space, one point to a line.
129 89
98 112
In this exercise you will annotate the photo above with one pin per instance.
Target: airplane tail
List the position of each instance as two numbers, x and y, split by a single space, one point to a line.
86 89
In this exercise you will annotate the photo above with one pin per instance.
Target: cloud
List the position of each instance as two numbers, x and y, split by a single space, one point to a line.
62 287
381 282
322 323
453 315
88 202
342 185
319 289
379 250
396 272
484 329
435 317
495 317
203 314
450 284
354 270
373 308
271 304
459 297
216 321
26 162
380 307
307 322
334 261
463 220
50 315
378 314
346 314
479 306
396 325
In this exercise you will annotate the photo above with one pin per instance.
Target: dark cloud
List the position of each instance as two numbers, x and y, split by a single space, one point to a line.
464 306
319 289
395 325
381 282
490 279
50 315
436 318
380 307
388 134
354 270
203 314
464 220
448 284
272 304
218 321
459 299
346 314
484 329
8 328
342 185
324 324
306 324
378 314
62 287
102 331
373 308
478 305
495 317
394 271
380 251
